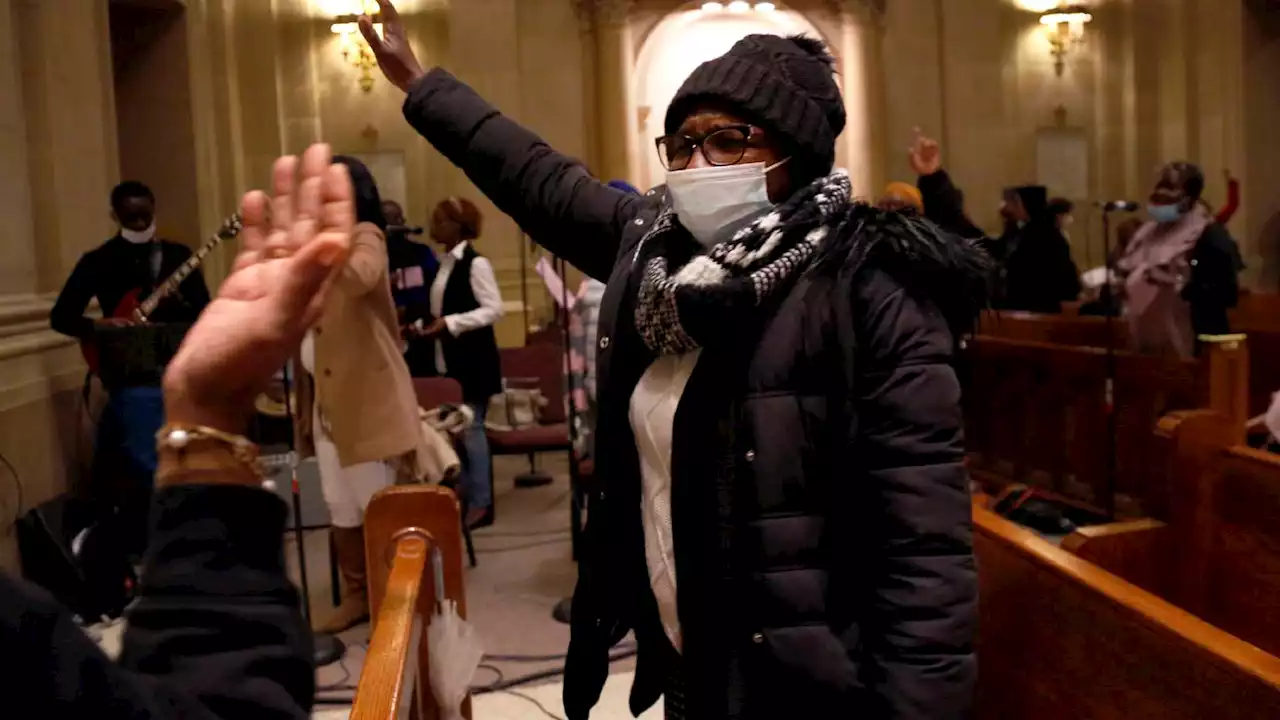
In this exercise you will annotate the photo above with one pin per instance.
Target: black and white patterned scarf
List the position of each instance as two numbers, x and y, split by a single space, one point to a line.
710 294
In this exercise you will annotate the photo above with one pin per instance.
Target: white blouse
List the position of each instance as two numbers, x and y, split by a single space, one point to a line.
484 285
653 412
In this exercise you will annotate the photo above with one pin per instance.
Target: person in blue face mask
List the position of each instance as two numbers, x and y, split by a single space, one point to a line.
1180 271
783 517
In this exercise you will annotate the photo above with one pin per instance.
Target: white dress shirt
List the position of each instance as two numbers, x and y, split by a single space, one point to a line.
484 285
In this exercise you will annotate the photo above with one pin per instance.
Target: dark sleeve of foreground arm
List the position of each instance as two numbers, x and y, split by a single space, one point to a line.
216 634
550 195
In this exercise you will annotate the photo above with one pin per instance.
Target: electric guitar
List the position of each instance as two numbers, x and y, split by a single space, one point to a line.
129 307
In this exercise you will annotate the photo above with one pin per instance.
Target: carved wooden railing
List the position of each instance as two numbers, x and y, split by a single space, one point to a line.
414 555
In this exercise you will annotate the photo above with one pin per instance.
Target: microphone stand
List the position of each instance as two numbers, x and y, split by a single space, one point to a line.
327 648
1107 297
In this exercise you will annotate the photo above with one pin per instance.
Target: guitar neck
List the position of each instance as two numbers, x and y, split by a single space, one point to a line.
171 283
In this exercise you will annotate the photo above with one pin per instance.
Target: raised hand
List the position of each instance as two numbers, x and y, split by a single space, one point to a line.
294 245
395 55
925 154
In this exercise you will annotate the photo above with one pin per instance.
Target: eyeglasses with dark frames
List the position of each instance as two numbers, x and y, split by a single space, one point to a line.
724 146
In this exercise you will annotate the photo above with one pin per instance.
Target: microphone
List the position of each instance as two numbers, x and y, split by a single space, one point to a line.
1124 205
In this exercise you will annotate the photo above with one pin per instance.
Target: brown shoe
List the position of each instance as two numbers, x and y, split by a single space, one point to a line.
354 608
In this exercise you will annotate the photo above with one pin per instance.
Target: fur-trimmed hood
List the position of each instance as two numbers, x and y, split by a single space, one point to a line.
954 273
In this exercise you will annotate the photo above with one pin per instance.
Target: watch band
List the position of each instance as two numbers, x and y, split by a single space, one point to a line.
198 453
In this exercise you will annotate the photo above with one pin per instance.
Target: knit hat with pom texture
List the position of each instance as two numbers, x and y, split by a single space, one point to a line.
785 85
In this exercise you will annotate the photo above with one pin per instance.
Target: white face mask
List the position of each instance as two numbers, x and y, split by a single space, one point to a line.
138 237
707 199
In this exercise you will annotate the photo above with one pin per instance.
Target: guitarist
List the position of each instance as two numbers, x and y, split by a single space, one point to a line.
120 274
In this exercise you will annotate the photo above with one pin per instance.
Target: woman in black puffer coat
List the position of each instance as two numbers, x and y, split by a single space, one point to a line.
783 513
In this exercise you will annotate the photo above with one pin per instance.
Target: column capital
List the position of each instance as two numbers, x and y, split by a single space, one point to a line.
607 13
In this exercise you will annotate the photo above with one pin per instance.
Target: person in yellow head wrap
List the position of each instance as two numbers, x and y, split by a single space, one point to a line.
899 196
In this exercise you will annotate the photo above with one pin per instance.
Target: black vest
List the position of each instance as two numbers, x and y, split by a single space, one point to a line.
472 357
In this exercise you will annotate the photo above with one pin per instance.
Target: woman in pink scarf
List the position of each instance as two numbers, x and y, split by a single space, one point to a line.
1179 270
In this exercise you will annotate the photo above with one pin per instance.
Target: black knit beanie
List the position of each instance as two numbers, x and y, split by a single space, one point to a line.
785 85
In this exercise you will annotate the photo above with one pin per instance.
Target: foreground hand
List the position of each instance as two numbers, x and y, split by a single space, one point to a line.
294 245
395 55
925 154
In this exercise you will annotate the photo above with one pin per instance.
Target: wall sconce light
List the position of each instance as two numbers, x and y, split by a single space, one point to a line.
1066 29
354 49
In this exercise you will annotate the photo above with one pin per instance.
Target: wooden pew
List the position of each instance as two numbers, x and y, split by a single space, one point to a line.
1258 311
402 525
1055 329
1257 317
1218 555
1061 639
1037 413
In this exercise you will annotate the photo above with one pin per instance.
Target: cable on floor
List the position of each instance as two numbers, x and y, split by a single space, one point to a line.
535 701
524 546
495 670
546 658
345 682
486 533
500 685
542 675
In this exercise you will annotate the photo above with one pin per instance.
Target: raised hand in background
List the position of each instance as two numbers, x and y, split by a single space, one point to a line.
925 154
395 55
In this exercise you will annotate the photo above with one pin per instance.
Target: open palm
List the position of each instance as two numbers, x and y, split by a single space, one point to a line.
294 244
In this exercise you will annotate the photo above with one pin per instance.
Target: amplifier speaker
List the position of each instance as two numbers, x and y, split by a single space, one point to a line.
315 513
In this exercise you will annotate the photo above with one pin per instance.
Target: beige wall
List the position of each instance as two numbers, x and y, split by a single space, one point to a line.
1262 169
1156 80
155 127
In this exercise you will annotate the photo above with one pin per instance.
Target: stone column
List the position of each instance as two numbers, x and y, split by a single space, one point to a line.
68 99
255 103
914 93
614 123
219 152
17 249
861 24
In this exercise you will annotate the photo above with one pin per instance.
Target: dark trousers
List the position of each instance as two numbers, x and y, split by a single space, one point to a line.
124 466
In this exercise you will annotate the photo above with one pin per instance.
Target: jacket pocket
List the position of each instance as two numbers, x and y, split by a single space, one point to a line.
803 671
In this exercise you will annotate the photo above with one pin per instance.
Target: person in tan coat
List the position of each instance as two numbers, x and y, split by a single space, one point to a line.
357 412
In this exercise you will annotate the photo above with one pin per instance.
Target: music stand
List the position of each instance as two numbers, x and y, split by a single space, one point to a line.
327 648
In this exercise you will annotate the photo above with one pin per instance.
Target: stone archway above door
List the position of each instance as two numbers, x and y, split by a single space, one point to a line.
614 31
